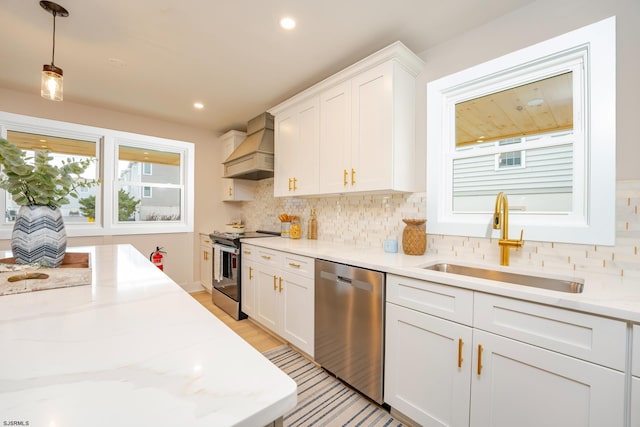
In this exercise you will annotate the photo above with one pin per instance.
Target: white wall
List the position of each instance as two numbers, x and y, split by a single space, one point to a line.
181 262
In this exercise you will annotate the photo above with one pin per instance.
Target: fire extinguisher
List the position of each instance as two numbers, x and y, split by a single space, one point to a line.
156 257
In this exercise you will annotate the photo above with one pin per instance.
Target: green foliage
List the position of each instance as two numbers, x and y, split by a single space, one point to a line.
88 206
39 183
126 205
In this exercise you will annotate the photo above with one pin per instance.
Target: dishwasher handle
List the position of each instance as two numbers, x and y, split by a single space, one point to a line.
346 281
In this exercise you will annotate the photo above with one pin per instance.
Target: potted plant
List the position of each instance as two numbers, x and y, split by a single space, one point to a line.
40 189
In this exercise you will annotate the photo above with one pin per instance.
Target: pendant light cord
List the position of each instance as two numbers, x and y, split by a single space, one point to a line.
53 51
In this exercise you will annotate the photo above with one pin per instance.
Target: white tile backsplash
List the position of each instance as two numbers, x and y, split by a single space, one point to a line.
367 220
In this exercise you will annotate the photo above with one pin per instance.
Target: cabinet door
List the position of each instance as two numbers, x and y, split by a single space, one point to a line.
635 352
296 145
526 386
635 379
335 139
206 263
248 287
428 367
304 167
635 402
372 138
297 297
266 310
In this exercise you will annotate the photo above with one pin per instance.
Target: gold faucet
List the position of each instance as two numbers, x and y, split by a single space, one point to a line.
501 221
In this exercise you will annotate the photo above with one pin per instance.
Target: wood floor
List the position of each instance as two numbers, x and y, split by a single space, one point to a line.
260 339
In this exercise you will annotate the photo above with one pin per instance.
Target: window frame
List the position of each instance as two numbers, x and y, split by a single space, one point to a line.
593 220
107 140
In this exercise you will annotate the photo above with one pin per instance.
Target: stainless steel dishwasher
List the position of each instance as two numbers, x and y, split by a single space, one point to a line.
349 325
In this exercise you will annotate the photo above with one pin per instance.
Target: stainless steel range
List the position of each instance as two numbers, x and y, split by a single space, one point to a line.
227 265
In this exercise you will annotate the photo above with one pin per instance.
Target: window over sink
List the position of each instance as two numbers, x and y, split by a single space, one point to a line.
537 124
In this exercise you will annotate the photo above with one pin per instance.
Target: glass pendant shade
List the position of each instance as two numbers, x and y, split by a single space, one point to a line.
51 83
51 79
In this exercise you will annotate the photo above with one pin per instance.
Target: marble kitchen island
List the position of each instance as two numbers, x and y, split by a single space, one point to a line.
132 349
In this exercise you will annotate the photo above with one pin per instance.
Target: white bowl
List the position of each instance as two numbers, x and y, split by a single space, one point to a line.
234 228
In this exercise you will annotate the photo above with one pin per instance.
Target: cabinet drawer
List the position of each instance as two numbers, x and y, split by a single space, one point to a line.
635 353
267 256
301 265
592 338
249 252
205 239
446 302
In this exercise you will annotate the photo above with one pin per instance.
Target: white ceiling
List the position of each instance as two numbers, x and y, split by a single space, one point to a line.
156 58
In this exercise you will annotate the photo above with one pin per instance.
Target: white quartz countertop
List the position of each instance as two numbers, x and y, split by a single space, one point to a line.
132 349
605 295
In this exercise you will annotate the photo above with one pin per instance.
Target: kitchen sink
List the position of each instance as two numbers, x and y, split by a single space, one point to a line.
569 286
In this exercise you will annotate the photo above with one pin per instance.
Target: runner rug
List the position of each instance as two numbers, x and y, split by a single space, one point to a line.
323 400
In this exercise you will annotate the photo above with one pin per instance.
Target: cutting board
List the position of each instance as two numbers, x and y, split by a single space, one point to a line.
74 271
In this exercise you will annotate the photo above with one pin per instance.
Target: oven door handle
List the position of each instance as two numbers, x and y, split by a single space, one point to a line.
225 248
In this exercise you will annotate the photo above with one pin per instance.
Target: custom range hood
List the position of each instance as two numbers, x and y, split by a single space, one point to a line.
253 159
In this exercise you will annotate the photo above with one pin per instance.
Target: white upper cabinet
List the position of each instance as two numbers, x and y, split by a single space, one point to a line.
296 148
367 138
364 140
335 128
234 190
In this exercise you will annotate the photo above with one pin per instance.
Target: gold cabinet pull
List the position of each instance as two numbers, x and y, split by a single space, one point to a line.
344 177
280 284
295 180
289 184
275 286
266 256
479 359
250 273
204 255
293 264
230 192
353 177
460 344
247 252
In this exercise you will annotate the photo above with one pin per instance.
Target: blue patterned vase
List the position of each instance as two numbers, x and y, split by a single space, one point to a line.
39 236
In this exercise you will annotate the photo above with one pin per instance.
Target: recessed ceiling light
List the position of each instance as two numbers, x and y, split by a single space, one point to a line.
287 23
198 105
535 102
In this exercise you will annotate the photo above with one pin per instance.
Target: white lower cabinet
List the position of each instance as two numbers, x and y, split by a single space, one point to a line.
283 294
635 378
248 280
206 262
427 367
428 343
517 384
267 298
442 370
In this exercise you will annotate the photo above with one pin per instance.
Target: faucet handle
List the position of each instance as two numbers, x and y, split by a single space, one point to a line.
521 234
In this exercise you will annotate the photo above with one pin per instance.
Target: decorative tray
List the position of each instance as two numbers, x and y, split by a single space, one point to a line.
74 271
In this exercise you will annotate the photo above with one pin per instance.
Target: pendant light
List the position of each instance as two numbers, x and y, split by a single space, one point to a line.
51 81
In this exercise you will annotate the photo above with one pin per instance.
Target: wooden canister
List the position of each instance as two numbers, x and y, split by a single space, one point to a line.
414 237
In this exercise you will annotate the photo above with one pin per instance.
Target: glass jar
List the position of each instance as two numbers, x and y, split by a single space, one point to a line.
295 231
